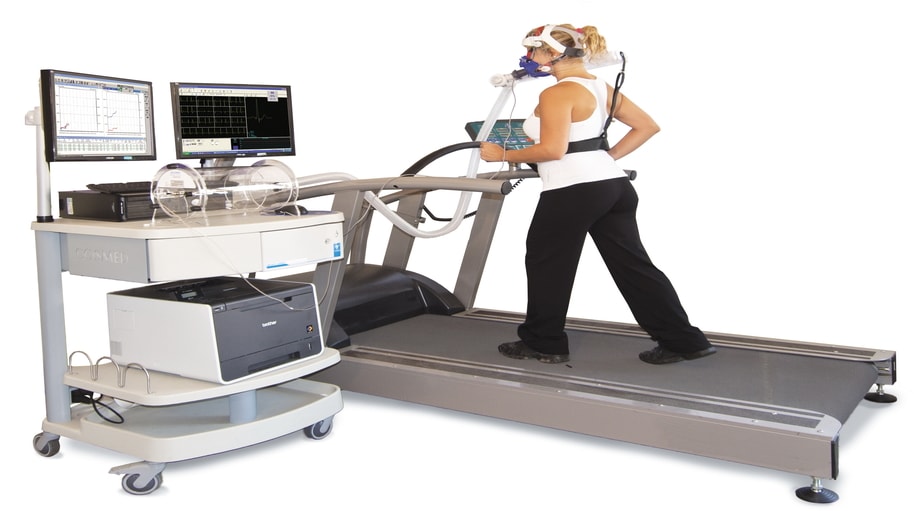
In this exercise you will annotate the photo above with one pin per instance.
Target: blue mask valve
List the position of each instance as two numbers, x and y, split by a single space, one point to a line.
531 67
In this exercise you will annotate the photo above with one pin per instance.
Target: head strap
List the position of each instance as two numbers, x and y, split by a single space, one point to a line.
543 35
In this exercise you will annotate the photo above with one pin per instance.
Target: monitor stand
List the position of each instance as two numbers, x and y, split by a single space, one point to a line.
214 170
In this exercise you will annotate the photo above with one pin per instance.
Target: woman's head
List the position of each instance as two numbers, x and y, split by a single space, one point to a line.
567 40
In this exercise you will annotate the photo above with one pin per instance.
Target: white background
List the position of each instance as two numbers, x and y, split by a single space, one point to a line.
777 199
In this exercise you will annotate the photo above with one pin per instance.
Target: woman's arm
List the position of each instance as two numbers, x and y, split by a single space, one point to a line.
554 110
642 127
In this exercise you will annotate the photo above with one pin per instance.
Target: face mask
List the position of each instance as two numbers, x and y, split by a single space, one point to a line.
532 68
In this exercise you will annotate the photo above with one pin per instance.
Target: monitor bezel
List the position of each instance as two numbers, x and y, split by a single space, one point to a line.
49 118
228 156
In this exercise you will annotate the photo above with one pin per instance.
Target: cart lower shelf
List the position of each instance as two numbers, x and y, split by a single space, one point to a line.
200 428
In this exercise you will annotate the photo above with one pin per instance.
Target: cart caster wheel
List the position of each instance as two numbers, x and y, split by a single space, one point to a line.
49 449
128 483
320 429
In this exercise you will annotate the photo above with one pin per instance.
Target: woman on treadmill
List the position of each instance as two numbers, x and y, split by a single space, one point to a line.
586 192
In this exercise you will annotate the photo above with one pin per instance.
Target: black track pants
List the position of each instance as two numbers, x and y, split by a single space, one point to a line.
606 211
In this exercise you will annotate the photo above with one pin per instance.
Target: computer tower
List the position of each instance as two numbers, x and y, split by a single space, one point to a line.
115 207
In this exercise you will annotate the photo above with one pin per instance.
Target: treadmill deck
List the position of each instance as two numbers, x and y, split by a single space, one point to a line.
777 404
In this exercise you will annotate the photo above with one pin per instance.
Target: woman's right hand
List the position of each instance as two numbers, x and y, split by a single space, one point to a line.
491 152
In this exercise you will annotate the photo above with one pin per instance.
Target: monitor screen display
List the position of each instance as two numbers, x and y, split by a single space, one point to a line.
226 121
89 117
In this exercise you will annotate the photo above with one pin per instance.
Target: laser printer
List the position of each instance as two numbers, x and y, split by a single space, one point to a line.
219 329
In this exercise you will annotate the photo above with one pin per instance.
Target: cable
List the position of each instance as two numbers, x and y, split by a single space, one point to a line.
434 155
620 79
87 397
426 160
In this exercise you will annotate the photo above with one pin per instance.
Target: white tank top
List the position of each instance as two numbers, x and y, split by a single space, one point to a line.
583 167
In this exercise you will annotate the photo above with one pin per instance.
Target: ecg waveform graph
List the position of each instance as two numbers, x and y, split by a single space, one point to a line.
98 112
213 117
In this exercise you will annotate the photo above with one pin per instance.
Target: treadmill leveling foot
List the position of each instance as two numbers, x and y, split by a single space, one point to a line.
880 396
816 493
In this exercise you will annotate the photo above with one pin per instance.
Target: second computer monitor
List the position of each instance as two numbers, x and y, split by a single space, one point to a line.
223 121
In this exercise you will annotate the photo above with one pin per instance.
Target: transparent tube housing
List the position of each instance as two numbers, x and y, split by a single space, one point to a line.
178 190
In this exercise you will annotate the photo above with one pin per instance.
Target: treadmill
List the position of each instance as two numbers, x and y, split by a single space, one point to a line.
404 336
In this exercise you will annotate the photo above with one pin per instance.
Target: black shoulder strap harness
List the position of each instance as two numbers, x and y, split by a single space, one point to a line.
600 143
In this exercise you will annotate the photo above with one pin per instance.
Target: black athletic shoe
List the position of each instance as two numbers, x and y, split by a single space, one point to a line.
660 355
520 350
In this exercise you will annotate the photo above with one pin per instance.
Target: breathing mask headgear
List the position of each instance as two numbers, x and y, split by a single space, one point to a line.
541 37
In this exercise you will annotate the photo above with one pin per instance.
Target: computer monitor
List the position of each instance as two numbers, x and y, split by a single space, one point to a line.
218 122
88 117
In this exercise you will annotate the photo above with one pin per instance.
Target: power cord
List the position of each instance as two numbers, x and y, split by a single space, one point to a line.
86 397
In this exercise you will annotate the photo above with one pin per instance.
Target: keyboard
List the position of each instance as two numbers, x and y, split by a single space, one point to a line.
128 187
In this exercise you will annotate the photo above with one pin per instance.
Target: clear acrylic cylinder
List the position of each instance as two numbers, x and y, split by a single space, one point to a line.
178 190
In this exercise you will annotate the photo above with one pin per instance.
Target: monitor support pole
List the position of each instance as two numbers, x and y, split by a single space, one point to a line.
42 169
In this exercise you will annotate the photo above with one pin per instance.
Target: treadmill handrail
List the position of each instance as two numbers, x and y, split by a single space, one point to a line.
498 184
